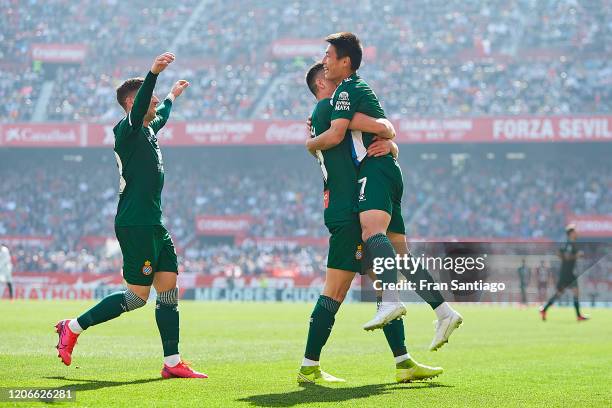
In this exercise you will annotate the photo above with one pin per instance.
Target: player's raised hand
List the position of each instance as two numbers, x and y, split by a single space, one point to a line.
179 87
161 62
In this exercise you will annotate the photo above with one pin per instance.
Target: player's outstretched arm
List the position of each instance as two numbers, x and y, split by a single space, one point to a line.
163 110
330 138
144 94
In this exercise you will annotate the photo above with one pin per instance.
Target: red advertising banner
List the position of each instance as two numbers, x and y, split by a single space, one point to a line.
592 225
36 241
59 53
223 225
100 135
60 285
244 132
87 286
42 135
285 241
490 240
221 281
96 241
508 129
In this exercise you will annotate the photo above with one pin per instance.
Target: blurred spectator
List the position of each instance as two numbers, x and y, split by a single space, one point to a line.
429 55
280 188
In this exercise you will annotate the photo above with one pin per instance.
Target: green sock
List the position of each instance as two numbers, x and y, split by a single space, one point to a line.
394 333
432 297
110 307
577 306
550 302
321 322
167 318
379 246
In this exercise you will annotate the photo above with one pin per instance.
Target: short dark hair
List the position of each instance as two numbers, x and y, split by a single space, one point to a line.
311 77
347 45
127 88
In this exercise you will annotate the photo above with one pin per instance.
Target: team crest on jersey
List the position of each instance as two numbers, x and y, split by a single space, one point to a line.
343 103
326 199
147 269
359 252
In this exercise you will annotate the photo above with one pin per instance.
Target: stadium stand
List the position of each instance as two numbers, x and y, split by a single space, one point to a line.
424 58
486 60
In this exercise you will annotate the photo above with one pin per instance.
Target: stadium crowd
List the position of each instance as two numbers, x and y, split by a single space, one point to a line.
423 58
439 88
432 58
280 188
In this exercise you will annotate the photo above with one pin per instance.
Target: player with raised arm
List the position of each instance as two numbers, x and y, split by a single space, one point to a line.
149 256
380 184
345 245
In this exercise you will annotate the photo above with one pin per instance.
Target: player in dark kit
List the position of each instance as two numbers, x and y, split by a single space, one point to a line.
569 253
149 257
380 184
345 245
524 276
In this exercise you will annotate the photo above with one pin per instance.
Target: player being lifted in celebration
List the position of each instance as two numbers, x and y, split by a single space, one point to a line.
345 247
380 184
149 257
569 254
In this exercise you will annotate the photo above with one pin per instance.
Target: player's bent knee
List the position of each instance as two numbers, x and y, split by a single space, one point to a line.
367 233
133 301
169 297
399 242
164 281
338 295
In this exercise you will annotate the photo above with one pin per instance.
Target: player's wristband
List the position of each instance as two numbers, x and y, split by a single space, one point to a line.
171 97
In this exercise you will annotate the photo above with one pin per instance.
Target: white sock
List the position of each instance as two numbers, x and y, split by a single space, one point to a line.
401 358
74 326
442 311
309 363
172 360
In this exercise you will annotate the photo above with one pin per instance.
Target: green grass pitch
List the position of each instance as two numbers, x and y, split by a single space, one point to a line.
500 357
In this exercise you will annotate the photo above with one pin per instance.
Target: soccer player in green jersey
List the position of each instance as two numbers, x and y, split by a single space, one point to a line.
149 256
345 245
380 183
569 254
